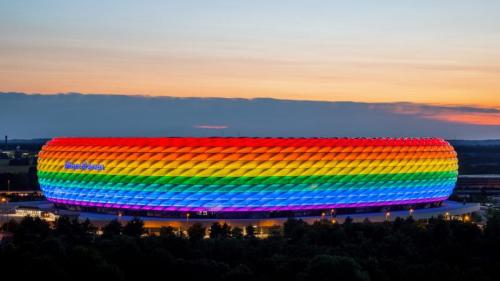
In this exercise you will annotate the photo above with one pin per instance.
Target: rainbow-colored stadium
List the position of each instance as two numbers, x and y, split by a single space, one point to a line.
245 174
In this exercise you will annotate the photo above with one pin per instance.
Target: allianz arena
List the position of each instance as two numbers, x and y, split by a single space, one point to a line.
245 175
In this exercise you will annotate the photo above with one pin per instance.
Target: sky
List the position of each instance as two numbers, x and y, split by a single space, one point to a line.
432 53
26 116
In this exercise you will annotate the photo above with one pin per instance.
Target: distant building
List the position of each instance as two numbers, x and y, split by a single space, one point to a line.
28 211
34 212
478 185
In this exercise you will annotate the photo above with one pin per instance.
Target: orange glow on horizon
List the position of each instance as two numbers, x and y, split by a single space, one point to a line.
486 119
374 84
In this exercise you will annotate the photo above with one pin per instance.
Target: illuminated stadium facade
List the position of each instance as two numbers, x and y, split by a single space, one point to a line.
246 177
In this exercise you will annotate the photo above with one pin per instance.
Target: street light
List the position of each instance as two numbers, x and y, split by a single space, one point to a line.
387 216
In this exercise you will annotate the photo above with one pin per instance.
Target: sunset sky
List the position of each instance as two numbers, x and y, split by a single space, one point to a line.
443 52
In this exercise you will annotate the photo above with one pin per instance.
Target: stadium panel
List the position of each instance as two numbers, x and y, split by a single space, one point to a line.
246 174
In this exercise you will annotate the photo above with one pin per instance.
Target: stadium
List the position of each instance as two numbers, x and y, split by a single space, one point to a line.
245 178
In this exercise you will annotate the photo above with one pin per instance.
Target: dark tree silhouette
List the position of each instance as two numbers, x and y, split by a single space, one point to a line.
73 230
196 232
250 231
31 230
167 231
215 230
326 268
218 231
409 250
113 228
294 229
134 228
237 233
239 273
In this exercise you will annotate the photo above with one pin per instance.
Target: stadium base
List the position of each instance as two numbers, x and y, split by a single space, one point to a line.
448 209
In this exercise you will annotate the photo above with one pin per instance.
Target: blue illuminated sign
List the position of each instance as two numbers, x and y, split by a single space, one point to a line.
84 166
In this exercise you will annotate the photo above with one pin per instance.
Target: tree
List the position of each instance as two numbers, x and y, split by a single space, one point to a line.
113 228
196 232
88 227
492 229
10 226
237 233
167 231
226 231
348 220
64 226
218 231
215 230
74 230
31 230
250 231
326 268
134 228
239 273
440 230
294 229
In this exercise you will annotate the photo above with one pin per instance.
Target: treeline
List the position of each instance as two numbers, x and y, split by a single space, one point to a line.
402 250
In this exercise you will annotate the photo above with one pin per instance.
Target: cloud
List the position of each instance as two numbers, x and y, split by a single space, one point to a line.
476 119
432 65
454 114
36 116
212 127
